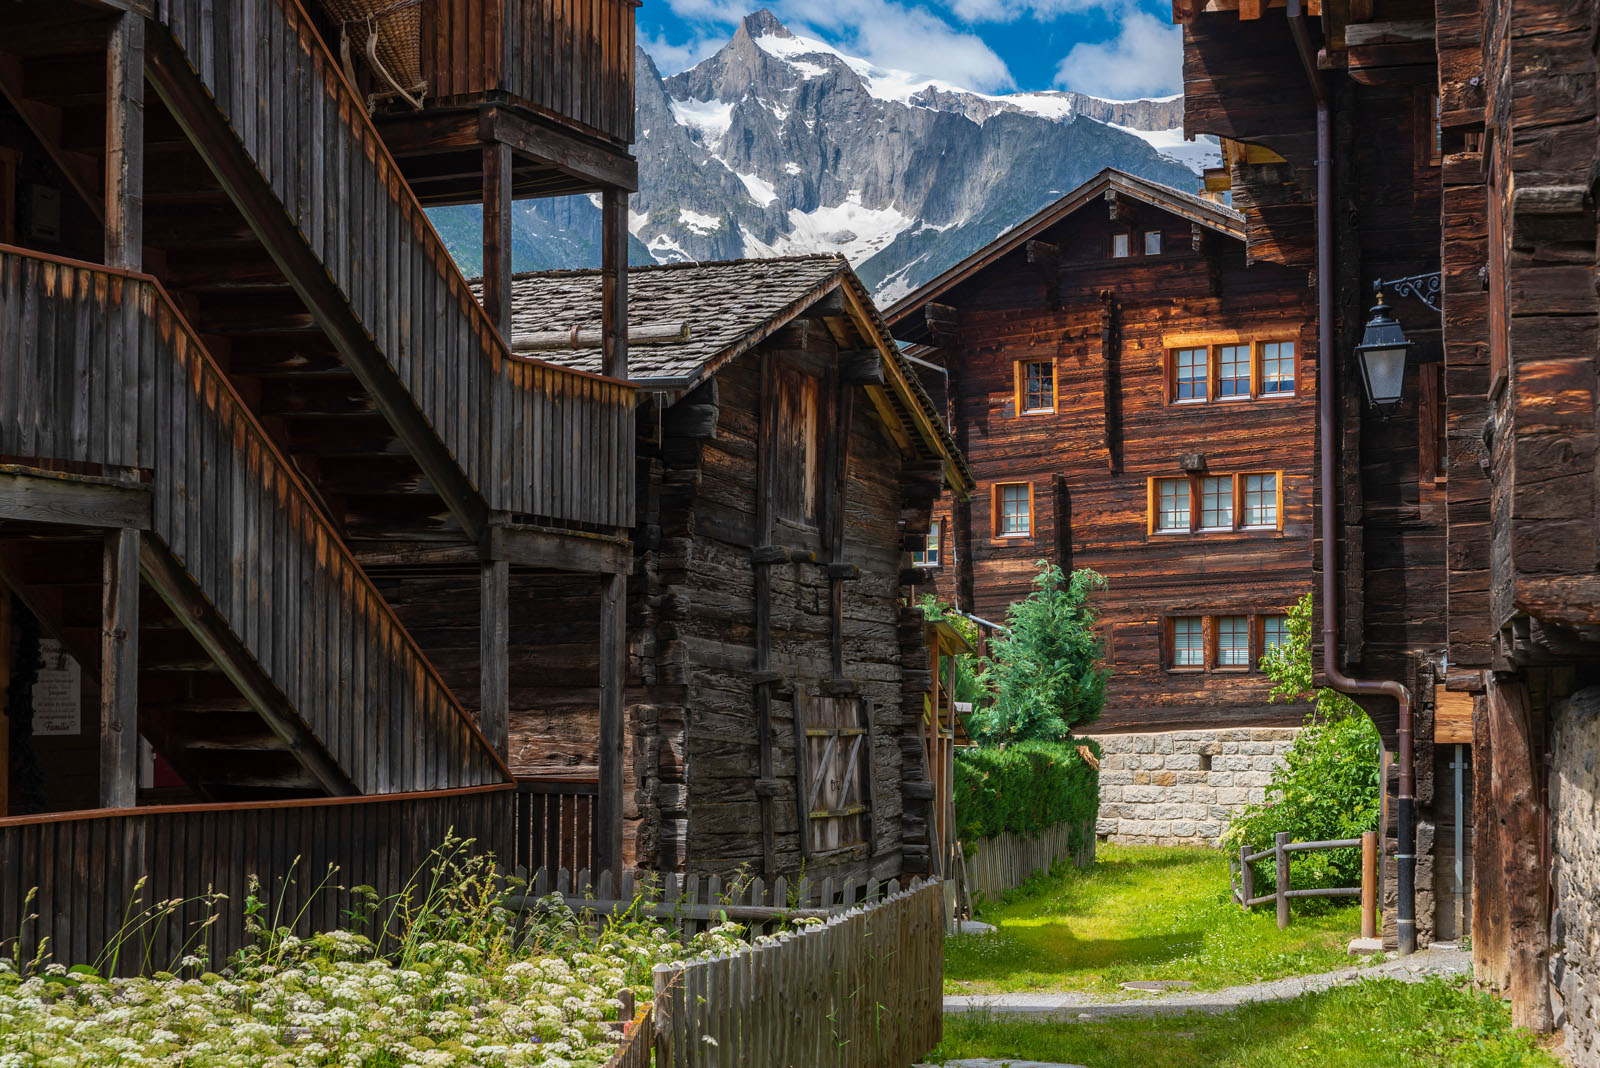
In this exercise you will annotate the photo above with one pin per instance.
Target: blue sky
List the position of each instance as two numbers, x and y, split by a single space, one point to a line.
1111 48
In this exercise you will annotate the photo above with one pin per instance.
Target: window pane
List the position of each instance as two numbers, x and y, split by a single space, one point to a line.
1277 367
1233 371
1233 641
1261 500
1119 245
1172 504
1038 389
1216 503
1152 242
1014 510
1276 631
928 556
1191 383
1188 642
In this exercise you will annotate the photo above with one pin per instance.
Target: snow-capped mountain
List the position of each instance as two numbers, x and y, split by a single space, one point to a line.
780 144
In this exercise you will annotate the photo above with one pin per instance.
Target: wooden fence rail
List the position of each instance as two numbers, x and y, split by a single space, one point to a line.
862 988
1242 875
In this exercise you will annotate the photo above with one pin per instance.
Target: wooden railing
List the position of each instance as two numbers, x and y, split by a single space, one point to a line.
574 61
1243 877
84 866
98 367
554 826
532 438
863 988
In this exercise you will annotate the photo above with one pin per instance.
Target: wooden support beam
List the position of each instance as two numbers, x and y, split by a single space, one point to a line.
613 733
1063 503
864 368
830 305
124 183
547 144
767 448
559 550
5 693
836 474
49 497
494 595
1110 384
497 236
119 671
614 283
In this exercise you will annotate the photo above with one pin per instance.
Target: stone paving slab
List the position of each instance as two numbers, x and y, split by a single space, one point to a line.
1438 960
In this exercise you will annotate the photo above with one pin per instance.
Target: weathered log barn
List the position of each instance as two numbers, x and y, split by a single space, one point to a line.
1136 396
248 404
1450 149
787 460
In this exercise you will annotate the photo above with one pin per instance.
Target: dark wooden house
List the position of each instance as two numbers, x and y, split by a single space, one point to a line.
1456 155
249 406
787 461
1136 396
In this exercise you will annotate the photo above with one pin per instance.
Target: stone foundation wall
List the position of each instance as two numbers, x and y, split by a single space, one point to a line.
1575 927
1182 787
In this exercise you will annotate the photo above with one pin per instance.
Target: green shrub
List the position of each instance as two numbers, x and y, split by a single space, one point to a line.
1047 673
1024 788
1328 784
968 688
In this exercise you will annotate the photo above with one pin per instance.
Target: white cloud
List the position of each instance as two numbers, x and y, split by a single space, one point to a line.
671 58
971 11
1145 58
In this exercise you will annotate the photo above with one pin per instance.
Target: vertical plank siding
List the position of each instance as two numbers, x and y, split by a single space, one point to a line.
83 863
314 146
137 391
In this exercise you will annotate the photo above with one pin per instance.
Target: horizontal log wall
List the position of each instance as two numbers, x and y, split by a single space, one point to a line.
533 438
97 367
84 866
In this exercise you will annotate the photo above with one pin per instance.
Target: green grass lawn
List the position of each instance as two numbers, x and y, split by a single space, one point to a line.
1142 912
1375 1024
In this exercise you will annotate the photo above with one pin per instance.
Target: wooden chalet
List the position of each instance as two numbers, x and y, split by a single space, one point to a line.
251 414
1447 149
1136 396
787 461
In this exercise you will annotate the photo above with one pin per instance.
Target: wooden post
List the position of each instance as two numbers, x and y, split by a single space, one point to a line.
1369 884
494 719
497 164
1280 840
1247 878
124 201
1520 812
5 692
613 681
614 282
1489 937
119 671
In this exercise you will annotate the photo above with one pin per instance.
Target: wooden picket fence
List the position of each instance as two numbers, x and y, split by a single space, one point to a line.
991 866
862 988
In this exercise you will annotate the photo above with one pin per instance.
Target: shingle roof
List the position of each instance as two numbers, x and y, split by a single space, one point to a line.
729 306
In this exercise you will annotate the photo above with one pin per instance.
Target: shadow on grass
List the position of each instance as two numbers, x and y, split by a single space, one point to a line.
1049 952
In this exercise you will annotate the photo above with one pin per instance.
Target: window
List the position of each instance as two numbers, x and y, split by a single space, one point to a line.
928 556
1036 386
1242 370
1260 500
1233 641
1119 246
1191 381
1188 642
1152 242
1233 371
1013 509
1216 503
1172 504
1274 632
1277 368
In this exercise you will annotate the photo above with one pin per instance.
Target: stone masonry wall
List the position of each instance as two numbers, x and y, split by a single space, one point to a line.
1575 927
1183 787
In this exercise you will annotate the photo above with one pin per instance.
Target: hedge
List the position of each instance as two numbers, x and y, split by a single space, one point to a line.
1024 788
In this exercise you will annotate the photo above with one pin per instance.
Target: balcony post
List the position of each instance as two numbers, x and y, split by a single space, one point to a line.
125 142
494 719
497 163
614 284
119 671
607 854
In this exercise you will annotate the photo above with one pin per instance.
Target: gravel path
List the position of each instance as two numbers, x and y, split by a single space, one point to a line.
1437 960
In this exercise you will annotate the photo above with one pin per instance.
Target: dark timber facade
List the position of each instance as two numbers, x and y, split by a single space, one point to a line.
1135 396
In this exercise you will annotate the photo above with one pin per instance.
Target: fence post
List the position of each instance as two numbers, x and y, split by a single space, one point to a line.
1247 878
1281 855
661 1010
1369 884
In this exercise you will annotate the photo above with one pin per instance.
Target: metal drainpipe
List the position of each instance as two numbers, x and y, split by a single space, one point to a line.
1405 810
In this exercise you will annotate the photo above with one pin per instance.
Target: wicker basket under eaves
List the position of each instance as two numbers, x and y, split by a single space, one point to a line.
387 34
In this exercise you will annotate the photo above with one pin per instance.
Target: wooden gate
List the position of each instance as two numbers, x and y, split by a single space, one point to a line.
833 765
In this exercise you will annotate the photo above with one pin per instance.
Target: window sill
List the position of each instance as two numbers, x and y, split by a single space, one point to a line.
1037 411
1000 538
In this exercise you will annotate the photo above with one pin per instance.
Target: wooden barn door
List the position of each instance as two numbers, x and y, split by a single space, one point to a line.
834 773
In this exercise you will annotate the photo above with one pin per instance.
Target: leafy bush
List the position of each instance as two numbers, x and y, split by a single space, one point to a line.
1024 788
1328 785
968 688
1046 674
